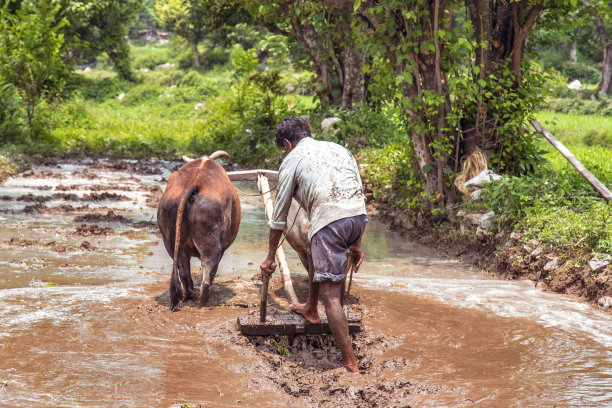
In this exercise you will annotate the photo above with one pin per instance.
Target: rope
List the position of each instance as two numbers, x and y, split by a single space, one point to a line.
255 194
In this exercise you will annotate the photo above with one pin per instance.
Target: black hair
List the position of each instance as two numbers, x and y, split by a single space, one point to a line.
292 128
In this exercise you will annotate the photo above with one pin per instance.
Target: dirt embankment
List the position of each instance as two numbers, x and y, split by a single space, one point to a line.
508 255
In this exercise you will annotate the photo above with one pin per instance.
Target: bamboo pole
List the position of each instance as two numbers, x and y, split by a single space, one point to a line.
264 188
598 185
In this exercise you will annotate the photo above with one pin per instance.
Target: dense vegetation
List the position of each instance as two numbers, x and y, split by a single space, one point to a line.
417 86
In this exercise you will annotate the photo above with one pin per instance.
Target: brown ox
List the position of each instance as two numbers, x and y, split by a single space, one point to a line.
198 215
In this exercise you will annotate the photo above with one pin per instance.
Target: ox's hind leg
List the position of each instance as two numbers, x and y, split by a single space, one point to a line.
210 263
185 275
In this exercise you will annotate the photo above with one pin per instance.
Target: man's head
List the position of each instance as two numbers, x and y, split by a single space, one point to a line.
289 131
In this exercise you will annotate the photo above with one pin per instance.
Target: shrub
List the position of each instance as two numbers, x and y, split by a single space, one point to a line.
150 60
586 73
394 174
598 138
102 89
12 121
362 127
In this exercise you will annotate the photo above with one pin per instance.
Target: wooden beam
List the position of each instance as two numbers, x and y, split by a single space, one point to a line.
598 185
264 188
251 175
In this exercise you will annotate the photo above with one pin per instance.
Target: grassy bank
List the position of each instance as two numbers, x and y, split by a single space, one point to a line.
549 224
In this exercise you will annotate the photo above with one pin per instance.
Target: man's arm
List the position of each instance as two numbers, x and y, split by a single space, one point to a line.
275 236
278 221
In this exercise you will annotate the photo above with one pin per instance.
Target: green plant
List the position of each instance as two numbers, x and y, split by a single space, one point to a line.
32 52
281 346
243 61
11 120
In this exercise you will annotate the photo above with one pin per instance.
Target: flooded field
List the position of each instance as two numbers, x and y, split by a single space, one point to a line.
84 318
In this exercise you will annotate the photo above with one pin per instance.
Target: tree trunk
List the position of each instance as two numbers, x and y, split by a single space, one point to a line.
573 51
606 47
196 55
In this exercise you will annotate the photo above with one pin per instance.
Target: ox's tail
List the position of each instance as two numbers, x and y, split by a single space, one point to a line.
175 285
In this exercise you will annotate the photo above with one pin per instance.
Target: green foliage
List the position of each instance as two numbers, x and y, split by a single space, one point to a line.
598 138
394 175
362 127
32 52
101 89
101 26
149 57
570 227
12 120
584 72
243 61
195 20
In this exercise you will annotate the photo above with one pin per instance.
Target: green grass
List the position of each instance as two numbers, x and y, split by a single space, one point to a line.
572 130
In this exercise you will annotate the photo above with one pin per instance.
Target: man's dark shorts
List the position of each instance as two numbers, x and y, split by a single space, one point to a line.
329 245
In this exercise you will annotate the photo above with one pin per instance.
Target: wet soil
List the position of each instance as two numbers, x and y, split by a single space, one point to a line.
84 313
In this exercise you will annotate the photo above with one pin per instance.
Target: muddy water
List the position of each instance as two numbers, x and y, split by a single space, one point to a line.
84 317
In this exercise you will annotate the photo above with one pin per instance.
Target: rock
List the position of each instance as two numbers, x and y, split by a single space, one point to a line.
473 218
476 195
604 280
500 235
329 122
461 213
482 234
551 265
485 176
517 236
543 286
605 302
486 220
536 252
598 264
407 222
575 85
463 229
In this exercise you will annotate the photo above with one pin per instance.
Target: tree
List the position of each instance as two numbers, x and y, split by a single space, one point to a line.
452 106
101 26
600 12
195 20
324 30
32 52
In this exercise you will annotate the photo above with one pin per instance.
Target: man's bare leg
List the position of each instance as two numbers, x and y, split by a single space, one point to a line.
309 310
339 326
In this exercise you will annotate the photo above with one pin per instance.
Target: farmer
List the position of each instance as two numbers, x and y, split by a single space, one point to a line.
323 177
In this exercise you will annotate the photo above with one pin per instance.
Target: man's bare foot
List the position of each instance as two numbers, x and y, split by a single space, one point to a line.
312 317
342 370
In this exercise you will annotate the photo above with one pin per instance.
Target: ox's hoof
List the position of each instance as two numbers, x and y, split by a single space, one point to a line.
204 295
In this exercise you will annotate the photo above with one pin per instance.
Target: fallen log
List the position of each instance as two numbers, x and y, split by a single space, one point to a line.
598 185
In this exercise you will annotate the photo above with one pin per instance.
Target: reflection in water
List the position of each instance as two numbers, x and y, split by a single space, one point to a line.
82 327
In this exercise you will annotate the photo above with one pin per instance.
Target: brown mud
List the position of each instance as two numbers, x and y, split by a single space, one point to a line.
84 313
